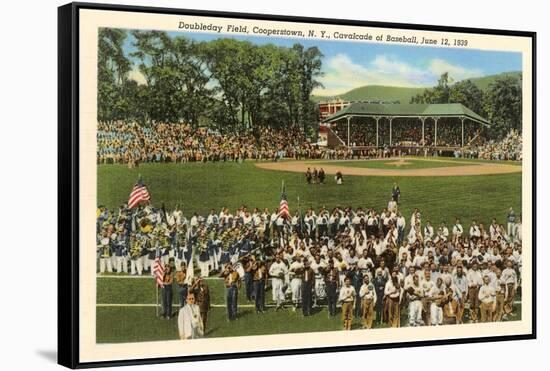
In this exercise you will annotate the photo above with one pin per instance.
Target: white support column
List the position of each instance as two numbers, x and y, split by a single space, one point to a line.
462 121
435 136
349 119
423 140
391 119
377 118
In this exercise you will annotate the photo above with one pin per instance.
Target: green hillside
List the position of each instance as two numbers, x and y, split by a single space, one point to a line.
483 82
402 94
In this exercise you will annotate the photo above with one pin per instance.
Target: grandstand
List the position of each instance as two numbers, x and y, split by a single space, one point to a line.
438 126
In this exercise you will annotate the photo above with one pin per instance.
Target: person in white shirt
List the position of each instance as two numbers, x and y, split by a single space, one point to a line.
510 278
500 292
392 292
296 270
518 235
437 297
365 264
415 296
428 231
212 219
392 206
382 268
190 325
319 267
415 217
474 283
475 232
347 298
457 230
494 230
419 258
367 293
277 271
487 297
400 223
442 233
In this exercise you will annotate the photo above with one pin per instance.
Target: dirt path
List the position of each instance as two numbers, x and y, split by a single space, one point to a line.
481 168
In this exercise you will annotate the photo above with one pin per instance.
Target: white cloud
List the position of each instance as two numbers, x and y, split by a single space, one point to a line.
342 74
135 74
440 66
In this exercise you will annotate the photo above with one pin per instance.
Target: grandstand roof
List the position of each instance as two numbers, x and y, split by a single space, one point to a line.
407 110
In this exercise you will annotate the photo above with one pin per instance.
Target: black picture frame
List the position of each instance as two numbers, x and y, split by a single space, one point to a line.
68 183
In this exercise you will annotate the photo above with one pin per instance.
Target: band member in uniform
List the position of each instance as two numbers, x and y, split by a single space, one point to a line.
167 280
136 264
202 298
347 298
190 325
367 293
105 255
232 283
308 281
331 283
260 282
181 281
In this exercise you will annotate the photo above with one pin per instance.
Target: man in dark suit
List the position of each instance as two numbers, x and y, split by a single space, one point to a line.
202 295
308 282
395 193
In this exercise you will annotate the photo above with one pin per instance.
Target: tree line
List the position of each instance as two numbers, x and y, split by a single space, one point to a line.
500 103
225 84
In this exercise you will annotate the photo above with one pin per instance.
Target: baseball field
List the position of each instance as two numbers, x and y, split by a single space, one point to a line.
439 188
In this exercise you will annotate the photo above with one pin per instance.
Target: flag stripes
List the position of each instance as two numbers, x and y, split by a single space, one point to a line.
283 206
158 269
138 195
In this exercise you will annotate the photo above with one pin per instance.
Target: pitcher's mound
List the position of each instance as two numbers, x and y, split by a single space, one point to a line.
399 163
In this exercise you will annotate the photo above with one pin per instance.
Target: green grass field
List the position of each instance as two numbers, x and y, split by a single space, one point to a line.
200 187
392 164
138 322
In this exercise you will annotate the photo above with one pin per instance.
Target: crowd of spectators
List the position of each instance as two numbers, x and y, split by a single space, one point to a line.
509 148
132 143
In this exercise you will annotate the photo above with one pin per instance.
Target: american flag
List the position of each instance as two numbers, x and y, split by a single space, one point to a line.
139 194
283 205
158 269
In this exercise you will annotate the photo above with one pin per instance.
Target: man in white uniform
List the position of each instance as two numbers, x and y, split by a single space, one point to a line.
277 271
190 324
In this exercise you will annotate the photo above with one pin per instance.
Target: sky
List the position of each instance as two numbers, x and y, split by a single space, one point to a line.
347 65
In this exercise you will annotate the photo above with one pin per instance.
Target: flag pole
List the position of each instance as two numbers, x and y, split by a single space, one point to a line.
301 219
157 306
